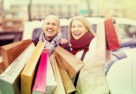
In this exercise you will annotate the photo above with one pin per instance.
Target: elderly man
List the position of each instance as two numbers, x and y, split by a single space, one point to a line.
51 35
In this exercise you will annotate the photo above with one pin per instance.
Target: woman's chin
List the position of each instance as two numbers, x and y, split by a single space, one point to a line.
76 38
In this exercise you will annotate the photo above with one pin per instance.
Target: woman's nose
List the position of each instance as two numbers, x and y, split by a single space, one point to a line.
76 29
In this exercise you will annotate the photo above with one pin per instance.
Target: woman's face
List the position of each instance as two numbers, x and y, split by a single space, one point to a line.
78 29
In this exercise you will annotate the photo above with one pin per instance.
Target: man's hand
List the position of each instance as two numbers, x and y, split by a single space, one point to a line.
63 41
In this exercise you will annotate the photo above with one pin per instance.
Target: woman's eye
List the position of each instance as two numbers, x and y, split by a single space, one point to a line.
80 26
73 26
47 23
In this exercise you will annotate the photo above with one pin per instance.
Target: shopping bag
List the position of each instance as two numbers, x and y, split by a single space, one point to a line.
92 76
28 73
10 78
118 32
1 67
111 36
40 81
60 88
11 51
71 63
67 82
51 81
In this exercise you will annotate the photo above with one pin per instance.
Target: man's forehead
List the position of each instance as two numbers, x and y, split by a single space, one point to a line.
51 18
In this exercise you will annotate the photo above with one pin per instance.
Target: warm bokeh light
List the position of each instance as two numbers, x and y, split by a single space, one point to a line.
118 8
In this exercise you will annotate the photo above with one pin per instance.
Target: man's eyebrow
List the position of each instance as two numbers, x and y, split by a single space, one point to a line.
55 24
47 22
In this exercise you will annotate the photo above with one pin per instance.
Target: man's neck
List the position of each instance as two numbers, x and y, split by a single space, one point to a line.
48 39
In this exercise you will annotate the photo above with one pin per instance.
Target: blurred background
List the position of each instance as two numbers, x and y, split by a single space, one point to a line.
16 15
22 19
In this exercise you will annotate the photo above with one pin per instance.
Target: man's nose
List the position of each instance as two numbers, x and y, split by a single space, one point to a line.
50 26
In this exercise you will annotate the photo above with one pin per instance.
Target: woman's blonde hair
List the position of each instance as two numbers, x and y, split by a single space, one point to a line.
85 22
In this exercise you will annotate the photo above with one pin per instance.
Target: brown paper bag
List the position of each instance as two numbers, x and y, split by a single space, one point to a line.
1 67
60 88
11 51
67 82
71 63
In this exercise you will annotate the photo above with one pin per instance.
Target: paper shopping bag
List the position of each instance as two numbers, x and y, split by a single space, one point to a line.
10 78
1 67
51 81
92 76
118 32
67 82
11 51
60 88
71 63
40 81
111 36
27 75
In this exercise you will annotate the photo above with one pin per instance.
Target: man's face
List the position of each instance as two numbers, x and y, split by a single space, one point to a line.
51 27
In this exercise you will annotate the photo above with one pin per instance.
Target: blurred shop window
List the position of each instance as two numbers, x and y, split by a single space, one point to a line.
128 31
14 18
127 27
12 24
10 37
133 31
1 9
61 8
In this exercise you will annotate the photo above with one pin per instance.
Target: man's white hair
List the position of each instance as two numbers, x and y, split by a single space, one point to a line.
52 16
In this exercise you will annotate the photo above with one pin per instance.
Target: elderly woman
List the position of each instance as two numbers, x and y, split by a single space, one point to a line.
82 41
80 35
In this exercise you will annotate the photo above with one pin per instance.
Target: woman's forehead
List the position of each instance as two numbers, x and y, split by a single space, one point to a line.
76 22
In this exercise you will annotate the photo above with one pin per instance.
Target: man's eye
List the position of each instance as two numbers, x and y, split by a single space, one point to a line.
47 23
54 24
